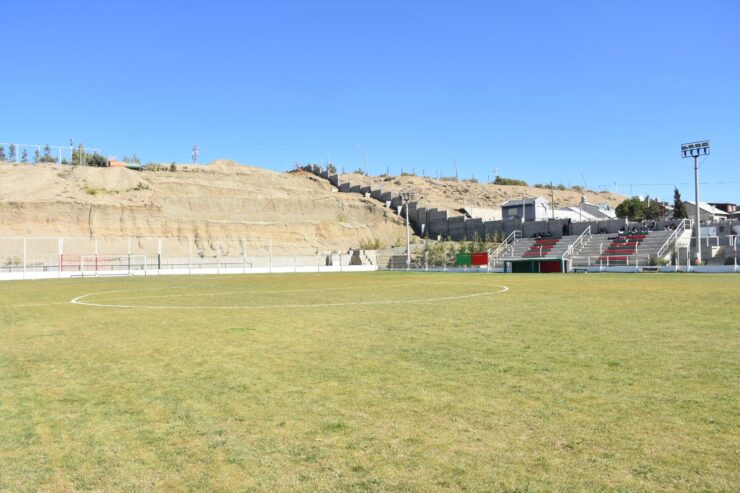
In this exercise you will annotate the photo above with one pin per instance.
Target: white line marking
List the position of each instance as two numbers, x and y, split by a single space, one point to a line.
247 291
35 304
79 301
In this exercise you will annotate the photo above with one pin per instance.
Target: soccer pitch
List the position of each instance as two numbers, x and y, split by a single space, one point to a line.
371 382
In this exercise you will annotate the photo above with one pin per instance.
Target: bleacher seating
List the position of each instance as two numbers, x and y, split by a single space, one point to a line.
598 249
619 249
541 247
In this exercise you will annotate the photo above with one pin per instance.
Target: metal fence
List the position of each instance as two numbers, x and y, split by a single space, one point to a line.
101 256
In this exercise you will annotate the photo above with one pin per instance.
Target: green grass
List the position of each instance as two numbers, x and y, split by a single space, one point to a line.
563 383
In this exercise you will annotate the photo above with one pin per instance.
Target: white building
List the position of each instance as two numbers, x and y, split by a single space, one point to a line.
707 212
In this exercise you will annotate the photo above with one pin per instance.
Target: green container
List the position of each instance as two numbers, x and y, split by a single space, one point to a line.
463 259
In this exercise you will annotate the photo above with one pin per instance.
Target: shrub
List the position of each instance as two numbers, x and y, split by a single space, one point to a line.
655 260
371 244
509 181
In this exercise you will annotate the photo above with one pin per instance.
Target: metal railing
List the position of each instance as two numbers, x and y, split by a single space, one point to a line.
663 250
579 241
501 249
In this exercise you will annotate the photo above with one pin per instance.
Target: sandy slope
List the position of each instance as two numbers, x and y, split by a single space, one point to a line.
454 195
298 211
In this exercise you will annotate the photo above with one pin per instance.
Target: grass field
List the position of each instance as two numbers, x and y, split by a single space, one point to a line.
317 383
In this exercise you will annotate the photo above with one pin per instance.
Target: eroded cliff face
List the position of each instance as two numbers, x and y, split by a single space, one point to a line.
297 211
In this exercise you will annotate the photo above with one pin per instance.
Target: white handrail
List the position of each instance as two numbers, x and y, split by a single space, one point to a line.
513 236
509 240
569 251
672 238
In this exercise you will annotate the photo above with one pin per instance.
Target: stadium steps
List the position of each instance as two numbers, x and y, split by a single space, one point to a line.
531 248
392 261
719 255
602 249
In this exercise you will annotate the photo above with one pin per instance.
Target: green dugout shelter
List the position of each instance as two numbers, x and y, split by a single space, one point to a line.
536 265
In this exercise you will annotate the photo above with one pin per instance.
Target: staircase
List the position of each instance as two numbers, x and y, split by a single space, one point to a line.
718 255
393 261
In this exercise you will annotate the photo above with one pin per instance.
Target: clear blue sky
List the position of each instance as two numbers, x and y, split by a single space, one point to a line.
541 90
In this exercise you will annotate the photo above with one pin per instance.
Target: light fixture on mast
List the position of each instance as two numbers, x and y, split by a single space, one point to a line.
694 150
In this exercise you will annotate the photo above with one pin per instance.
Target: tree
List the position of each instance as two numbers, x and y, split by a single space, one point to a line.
79 156
679 208
509 181
653 210
24 156
12 152
37 156
2 153
46 157
633 209
96 159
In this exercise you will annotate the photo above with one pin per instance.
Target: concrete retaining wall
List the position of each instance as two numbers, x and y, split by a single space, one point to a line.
421 216
492 228
456 228
437 223
474 229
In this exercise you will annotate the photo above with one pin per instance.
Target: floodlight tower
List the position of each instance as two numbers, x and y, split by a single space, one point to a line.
406 197
694 150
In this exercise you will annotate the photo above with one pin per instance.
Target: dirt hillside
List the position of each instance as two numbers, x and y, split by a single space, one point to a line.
298 211
454 195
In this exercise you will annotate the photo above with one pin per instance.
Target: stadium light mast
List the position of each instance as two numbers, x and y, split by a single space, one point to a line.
694 150
406 197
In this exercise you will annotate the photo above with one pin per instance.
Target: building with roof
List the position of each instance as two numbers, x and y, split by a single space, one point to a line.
575 214
533 209
482 213
728 207
707 212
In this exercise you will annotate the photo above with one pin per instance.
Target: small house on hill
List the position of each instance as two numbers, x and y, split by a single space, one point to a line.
707 212
534 209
